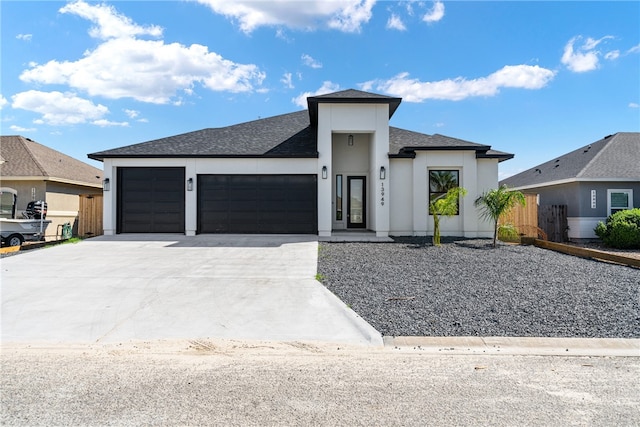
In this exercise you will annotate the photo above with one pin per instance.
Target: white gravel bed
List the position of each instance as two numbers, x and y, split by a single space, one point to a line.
468 288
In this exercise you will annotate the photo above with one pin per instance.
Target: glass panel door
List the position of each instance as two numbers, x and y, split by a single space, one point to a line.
357 202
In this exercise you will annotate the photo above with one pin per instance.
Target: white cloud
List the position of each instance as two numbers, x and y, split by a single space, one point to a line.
146 70
110 23
510 76
352 16
3 102
584 58
435 14
634 49
21 129
105 123
59 108
310 62
25 37
327 87
132 114
343 15
614 54
634 105
592 43
395 23
286 80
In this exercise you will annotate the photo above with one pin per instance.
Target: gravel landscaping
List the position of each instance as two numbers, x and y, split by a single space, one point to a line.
468 288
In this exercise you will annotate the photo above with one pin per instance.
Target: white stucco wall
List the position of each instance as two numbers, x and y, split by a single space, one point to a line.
344 119
193 168
401 197
409 193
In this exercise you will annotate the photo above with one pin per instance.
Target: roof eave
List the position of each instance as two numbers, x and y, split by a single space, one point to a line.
101 157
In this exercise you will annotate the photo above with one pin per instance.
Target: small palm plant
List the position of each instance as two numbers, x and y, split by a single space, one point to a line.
496 202
444 205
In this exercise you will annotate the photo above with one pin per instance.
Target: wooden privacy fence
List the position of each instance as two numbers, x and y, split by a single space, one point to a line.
90 216
553 220
525 218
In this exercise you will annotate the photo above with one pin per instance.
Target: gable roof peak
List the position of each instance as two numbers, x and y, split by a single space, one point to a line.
614 157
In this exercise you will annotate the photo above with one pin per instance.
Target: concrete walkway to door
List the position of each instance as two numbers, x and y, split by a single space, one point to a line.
146 287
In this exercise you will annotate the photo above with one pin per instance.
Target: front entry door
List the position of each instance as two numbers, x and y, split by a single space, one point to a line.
356 202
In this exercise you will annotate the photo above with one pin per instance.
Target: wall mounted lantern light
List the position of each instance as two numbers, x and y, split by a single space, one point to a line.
190 184
324 172
106 185
383 172
350 140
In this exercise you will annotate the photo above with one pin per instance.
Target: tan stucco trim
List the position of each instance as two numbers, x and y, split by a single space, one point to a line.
53 179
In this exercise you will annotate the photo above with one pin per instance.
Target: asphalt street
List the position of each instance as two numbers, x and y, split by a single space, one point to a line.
214 382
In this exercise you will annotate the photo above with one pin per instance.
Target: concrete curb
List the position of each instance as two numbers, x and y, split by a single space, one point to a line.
369 333
525 346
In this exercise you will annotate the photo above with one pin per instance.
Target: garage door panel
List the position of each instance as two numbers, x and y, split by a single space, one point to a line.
151 200
257 204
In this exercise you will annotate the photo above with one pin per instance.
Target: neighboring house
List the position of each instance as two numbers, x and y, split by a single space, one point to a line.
594 181
334 167
37 172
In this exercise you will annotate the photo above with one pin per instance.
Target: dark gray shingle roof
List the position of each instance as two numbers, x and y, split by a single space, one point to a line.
288 135
404 143
614 157
26 158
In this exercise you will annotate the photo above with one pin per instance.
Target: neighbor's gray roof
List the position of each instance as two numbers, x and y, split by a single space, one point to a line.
615 157
26 158
287 135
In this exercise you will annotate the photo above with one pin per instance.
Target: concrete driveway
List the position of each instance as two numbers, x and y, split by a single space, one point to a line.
147 287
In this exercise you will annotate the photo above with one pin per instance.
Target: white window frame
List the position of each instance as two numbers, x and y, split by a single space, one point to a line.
617 208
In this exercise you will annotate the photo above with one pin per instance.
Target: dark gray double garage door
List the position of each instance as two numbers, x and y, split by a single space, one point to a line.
152 200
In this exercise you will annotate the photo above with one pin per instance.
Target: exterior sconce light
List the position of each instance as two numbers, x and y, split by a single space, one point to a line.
190 184
350 140
383 172
324 172
106 184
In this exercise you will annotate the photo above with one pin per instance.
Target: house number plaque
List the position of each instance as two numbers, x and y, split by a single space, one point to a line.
382 193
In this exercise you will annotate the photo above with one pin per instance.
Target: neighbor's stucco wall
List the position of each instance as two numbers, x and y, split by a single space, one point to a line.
63 201
581 216
25 190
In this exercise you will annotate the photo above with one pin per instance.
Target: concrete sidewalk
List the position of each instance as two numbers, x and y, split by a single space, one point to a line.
145 287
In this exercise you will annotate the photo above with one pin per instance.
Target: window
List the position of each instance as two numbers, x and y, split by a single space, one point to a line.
441 181
338 197
618 200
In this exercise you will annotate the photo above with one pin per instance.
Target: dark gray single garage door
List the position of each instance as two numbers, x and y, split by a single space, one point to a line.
277 204
151 200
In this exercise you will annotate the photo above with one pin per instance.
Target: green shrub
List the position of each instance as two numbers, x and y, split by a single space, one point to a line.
621 230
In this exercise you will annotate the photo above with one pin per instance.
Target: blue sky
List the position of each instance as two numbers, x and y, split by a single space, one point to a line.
536 79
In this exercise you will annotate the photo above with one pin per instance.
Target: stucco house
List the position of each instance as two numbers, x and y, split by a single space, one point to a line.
594 181
68 185
335 167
